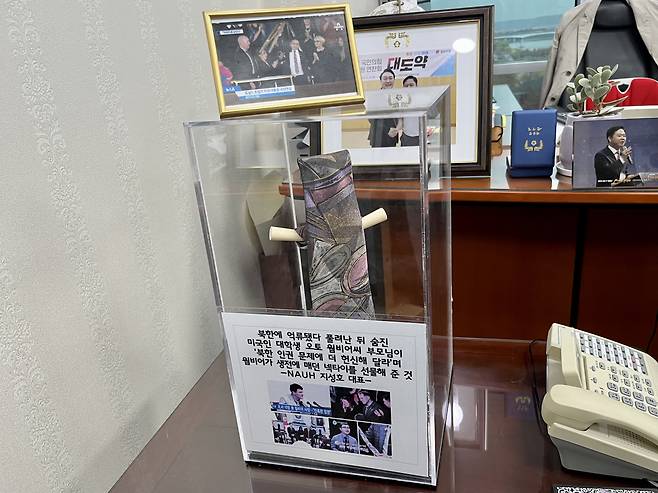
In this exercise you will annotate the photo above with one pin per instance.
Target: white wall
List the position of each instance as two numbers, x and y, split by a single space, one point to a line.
106 311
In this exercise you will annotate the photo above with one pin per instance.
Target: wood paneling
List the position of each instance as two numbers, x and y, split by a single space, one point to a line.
512 269
401 257
516 246
619 288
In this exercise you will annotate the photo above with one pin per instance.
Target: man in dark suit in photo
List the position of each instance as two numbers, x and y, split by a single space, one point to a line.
614 164
383 131
297 64
371 410
244 64
307 33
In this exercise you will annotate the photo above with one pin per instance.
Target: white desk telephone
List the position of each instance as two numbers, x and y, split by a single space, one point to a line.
600 405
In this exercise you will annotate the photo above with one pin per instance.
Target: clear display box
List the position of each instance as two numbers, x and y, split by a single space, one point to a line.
328 239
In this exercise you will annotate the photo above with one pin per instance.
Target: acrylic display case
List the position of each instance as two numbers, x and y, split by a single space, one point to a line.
339 346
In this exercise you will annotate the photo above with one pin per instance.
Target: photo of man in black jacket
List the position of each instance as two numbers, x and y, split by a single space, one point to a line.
614 164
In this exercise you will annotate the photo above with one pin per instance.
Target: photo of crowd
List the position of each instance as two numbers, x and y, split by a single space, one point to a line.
290 429
361 404
283 58
357 421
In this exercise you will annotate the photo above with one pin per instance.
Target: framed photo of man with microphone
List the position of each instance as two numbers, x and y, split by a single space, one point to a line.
616 153
283 59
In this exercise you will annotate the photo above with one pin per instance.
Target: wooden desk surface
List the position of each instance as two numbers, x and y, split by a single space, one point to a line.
556 189
499 188
497 447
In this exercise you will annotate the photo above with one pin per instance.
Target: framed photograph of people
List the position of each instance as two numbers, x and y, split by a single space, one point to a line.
615 153
283 59
419 50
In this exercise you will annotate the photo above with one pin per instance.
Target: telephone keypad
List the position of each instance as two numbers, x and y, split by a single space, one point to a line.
627 380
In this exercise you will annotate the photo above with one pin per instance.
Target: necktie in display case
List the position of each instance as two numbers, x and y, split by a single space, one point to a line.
334 292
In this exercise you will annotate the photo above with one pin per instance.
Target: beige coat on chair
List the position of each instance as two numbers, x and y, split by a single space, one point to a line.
571 38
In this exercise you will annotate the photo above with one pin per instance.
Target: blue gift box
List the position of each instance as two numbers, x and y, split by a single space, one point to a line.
533 143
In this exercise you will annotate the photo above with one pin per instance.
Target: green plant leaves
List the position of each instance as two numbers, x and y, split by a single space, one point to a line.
595 86
601 91
595 80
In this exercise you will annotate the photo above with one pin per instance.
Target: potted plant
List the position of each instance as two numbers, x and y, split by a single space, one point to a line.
593 87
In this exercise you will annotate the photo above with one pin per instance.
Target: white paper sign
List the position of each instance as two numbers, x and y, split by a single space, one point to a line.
350 392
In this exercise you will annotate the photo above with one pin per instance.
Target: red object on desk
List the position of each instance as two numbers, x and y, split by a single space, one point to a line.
642 91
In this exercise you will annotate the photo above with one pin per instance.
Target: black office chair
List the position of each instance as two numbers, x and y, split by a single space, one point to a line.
615 39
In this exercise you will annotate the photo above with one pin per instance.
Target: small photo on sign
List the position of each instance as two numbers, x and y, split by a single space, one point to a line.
373 406
375 439
344 436
301 430
299 398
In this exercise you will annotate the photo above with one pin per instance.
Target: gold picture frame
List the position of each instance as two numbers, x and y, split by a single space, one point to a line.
258 67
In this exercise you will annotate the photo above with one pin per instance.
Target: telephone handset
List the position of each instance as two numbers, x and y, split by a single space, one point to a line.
601 405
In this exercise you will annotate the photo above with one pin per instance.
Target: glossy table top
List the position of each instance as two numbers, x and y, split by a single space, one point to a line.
497 445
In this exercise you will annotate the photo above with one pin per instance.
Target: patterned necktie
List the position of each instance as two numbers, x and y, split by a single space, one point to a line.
338 263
